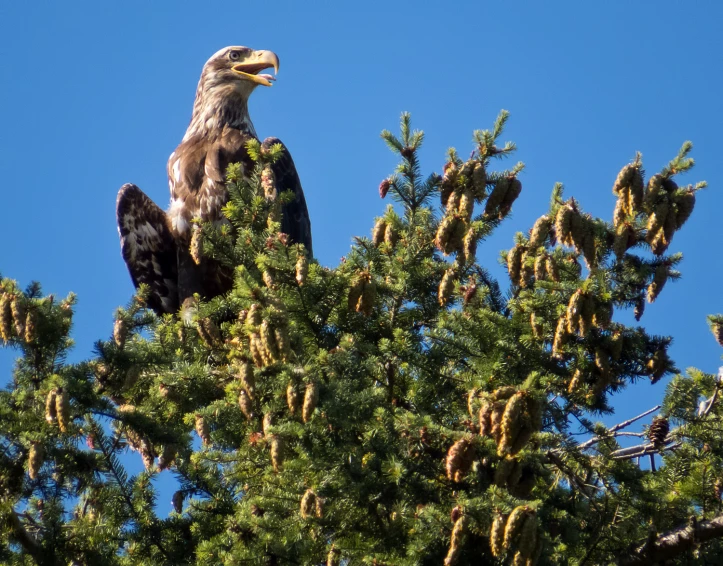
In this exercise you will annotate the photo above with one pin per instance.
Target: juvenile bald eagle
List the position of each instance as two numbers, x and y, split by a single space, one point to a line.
155 244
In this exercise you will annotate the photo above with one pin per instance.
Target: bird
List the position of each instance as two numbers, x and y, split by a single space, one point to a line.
156 244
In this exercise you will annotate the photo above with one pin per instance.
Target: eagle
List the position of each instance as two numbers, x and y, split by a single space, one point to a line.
156 244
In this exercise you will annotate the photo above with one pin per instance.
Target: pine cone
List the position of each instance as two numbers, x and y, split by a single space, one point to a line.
459 533
6 317
497 196
62 409
209 333
514 526
658 282
378 232
50 407
177 501
196 246
479 182
245 404
384 188
277 452
540 231
497 535
658 432
18 311
120 332
35 459
459 459
563 224
202 429
292 398
333 558
561 337
311 397
528 538
514 262
302 269
446 286
684 205
308 504
541 267
31 326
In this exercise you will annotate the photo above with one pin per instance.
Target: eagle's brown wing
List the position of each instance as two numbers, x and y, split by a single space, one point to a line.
148 247
295 222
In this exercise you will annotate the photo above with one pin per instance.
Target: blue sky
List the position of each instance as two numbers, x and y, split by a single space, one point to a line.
97 94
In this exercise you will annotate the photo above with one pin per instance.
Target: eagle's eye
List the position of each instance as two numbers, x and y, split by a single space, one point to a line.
234 55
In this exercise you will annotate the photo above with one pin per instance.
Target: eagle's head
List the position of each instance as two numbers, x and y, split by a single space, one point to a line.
236 71
227 80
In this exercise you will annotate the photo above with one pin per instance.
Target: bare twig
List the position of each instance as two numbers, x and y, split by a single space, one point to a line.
588 443
673 542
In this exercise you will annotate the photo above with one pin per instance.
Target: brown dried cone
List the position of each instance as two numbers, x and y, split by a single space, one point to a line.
514 525
639 308
246 378
655 235
561 337
684 204
459 534
602 362
268 342
575 382
527 540
319 507
527 272
573 315
512 423
253 317
276 449
455 514
514 262
384 188
268 183
497 535
588 244
459 459
469 245
31 326
449 180
514 190
148 454
624 179
563 224
391 236
6 317
35 459
498 410
466 205
50 408
167 457
378 231
470 290
267 276
453 202
479 182
18 315
625 238
202 429
716 327
485 418
177 501
245 404
446 286
308 504
255 348
196 246
368 297
497 196
450 233
552 269
620 214
283 342
293 399
536 326
266 424
540 231
657 365
62 409
311 397
334 557
658 282
658 432
302 269
603 315
120 332
209 332
541 267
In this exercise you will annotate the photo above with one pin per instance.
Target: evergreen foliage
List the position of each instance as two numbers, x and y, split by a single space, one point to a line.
399 409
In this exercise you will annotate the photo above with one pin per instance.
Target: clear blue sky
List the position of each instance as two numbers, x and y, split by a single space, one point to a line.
96 94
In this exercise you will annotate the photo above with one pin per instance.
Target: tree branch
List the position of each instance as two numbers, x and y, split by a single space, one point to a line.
674 542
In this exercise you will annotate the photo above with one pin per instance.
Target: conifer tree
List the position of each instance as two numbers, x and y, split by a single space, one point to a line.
403 408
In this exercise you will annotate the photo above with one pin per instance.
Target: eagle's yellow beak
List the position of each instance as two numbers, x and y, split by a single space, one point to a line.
256 62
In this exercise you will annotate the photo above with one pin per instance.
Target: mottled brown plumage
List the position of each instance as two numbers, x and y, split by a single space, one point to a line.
155 244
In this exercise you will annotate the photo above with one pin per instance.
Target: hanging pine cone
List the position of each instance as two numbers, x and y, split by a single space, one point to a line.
497 535
246 378
563 224
384 188
446 286
469 292
268 183
716 326
6 317
209 333
51 413
177 501
527 540
540 231
561 337
293 398
658 432
167 457
245 404
18 315
514 526
469 245
479 182
459 534
639 308
684 204
378 232
302 269
658 282
31 325
277 452
62 409
311 397
455 514
308 504
202 429
459 459
35 459
514 262
196 246
120 332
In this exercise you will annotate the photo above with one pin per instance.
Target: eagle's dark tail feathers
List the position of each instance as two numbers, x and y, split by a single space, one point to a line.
148 247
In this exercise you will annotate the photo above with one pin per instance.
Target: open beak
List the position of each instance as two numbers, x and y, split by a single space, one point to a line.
255 63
